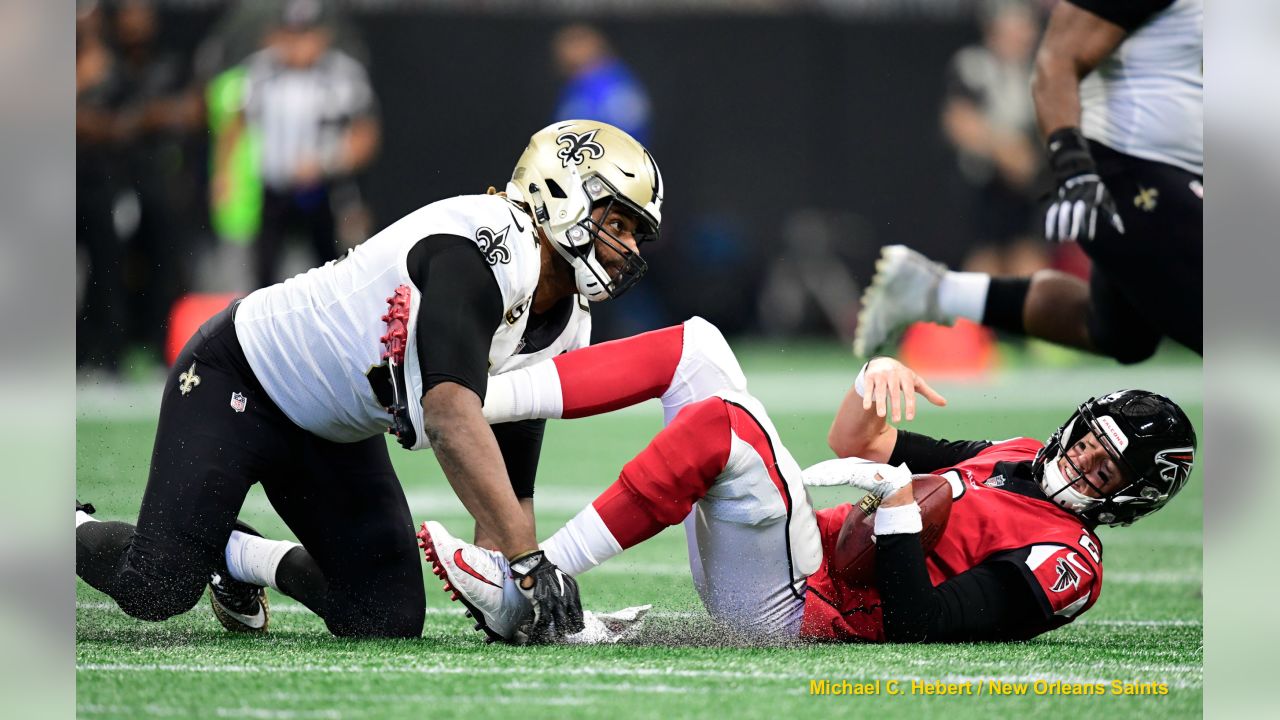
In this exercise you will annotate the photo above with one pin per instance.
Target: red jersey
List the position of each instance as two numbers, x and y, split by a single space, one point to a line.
1060 557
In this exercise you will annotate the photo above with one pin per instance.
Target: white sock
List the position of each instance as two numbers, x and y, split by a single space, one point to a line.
524 394
963 295
583 543
83 517
254 560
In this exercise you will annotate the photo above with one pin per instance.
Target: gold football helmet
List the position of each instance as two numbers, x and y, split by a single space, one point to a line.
573 166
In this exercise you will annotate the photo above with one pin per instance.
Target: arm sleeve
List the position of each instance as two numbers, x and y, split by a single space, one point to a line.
521 445
990 602
461 307
1128 14
924 454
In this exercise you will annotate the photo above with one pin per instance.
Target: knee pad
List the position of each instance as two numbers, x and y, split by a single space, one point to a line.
707 365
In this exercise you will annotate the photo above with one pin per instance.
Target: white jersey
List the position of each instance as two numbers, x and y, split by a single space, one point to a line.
312 340
1146 99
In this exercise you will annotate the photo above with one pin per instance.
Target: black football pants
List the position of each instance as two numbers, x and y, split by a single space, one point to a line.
361 570
1147 283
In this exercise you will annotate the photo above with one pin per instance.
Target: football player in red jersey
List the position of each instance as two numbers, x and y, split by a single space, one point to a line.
1019 556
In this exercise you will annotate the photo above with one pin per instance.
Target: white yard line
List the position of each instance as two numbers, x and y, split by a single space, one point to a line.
1140 672
289 608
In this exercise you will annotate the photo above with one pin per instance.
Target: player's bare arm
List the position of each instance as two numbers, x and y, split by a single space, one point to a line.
861 427
362 140
469 456
1075 42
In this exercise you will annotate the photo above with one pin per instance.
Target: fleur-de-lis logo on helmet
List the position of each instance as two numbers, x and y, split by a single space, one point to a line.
494 245
574 145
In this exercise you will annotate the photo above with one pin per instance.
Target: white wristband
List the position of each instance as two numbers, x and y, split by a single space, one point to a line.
860 382
898 520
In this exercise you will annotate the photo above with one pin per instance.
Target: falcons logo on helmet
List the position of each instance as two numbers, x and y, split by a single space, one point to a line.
1069 570
1175 464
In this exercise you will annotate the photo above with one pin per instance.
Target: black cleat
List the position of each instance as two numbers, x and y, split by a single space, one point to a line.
85 507
239 606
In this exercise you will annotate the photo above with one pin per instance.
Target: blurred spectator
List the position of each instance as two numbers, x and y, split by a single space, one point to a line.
809 287
989 118
315 113
100 316
155 126
599 85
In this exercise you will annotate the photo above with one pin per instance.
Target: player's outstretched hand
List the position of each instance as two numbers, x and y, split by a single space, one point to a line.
557 609
891 385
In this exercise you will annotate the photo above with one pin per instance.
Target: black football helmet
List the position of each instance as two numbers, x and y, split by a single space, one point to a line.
1147 436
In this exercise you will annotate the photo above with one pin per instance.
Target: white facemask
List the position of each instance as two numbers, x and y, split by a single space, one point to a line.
1059 488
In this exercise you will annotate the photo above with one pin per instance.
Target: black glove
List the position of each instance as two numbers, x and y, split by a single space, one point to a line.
557 610
1073 215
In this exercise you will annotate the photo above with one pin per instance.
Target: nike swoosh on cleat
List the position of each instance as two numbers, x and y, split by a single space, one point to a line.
464 567
254 621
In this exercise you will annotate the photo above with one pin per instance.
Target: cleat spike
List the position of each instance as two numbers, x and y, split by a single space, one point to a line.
468 614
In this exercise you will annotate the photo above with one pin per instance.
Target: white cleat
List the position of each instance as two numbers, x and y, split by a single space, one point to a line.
903 291
480 579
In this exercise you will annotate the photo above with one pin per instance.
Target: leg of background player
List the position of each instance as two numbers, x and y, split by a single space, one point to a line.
1050 305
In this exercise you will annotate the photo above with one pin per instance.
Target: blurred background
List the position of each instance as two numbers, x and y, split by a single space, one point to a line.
224 145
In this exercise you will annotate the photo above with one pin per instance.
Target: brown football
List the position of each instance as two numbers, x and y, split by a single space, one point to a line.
854 559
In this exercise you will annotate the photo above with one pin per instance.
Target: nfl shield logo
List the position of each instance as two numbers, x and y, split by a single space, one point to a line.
238 402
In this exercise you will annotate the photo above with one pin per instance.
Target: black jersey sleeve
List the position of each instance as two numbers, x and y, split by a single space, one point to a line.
521 445
461 308
924 454
989 602
1128 14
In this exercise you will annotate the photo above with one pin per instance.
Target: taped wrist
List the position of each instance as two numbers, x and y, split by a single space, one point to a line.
860 382
898 520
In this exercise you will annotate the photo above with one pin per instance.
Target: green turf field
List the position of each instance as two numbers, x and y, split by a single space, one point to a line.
1146 627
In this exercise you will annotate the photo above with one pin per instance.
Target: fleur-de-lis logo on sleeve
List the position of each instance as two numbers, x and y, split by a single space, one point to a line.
494 245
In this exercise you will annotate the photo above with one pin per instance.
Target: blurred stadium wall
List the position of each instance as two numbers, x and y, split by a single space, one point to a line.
761 110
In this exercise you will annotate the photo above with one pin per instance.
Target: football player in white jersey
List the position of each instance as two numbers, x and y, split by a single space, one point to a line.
294 385
1118 91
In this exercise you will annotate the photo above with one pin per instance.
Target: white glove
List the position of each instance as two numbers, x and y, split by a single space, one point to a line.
879 479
